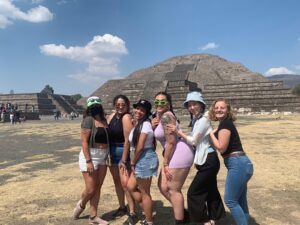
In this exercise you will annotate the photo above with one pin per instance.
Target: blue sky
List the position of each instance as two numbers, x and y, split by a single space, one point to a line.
77 45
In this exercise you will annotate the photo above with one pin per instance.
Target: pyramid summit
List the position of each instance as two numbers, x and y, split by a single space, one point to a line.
212 75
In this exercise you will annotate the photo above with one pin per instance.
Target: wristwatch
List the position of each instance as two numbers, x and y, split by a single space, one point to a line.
88 161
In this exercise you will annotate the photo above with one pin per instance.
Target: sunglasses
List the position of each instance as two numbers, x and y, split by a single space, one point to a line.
120 105
94 102
162 102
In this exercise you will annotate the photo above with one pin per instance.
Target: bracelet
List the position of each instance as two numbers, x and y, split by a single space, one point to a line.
88 161
132 164
166 164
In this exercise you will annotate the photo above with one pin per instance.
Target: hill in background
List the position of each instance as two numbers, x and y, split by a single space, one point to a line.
289 80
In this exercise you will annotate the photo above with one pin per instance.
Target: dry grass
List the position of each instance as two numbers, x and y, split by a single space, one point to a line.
40 181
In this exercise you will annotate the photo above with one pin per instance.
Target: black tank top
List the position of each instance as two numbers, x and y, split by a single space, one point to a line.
116 130
101 135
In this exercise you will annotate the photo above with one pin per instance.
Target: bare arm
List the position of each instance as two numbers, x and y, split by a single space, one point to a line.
139 148
127 127
85 137
171 140
222 142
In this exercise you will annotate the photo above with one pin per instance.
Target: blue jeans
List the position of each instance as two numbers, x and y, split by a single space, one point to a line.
240 170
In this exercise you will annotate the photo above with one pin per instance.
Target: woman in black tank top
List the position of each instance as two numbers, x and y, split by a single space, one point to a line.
120 125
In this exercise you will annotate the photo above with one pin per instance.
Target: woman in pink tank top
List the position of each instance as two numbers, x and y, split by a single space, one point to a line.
178 156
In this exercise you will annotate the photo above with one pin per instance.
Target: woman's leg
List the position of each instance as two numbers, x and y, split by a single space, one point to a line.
133 189
91 183
197 197
215 205
124 177
101 173
147 204
114 170
236 183
163 185
176 196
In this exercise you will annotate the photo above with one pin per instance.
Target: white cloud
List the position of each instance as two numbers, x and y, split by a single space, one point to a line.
278 70
102 56
210 45
9 12
297 67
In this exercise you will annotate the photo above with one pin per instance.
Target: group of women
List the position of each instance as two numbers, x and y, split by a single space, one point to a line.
128 141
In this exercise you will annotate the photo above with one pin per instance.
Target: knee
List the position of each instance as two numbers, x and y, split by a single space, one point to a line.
90 191
230 203
163 189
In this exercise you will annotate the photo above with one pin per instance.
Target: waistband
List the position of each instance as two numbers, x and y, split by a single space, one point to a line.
234 154
117 144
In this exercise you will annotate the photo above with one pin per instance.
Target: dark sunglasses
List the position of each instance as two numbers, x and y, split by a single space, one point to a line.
120 105
162 102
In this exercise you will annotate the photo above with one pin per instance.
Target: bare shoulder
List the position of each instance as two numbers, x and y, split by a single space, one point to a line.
127 116
109 117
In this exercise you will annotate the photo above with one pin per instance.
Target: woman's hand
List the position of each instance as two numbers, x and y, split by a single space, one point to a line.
122 168
168 173
172 128
154 122
90 167
214 131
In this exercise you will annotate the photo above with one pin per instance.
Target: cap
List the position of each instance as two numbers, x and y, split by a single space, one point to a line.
145 105
194 96
93 100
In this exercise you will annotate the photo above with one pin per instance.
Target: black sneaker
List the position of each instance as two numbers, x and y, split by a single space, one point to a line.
121 211
131 220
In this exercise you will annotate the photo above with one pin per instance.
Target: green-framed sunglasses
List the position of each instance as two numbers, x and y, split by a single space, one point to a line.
162 102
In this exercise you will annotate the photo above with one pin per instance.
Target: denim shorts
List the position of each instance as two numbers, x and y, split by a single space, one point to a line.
98 157
116 152
147 164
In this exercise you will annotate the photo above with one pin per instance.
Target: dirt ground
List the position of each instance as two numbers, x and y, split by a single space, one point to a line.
40 182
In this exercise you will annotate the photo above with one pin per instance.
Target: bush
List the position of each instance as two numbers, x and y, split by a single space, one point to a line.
296 90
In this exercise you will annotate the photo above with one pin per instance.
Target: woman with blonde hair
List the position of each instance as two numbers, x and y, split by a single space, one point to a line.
226 140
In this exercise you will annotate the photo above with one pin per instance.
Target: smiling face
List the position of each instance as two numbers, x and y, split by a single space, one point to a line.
220 110
161 104
121 106
139 113
195 108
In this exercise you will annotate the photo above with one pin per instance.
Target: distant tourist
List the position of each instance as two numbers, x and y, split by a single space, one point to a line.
92 158
240 169
177 156
120 125
12 117
144 161
204 201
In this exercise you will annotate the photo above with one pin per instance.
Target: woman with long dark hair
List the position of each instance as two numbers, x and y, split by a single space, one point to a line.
120 125
178 156
144 161
92 158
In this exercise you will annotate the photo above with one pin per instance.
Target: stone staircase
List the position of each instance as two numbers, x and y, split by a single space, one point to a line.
42 104
255 96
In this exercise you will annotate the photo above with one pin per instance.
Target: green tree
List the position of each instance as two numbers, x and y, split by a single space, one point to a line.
76 97
296 90
48 90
